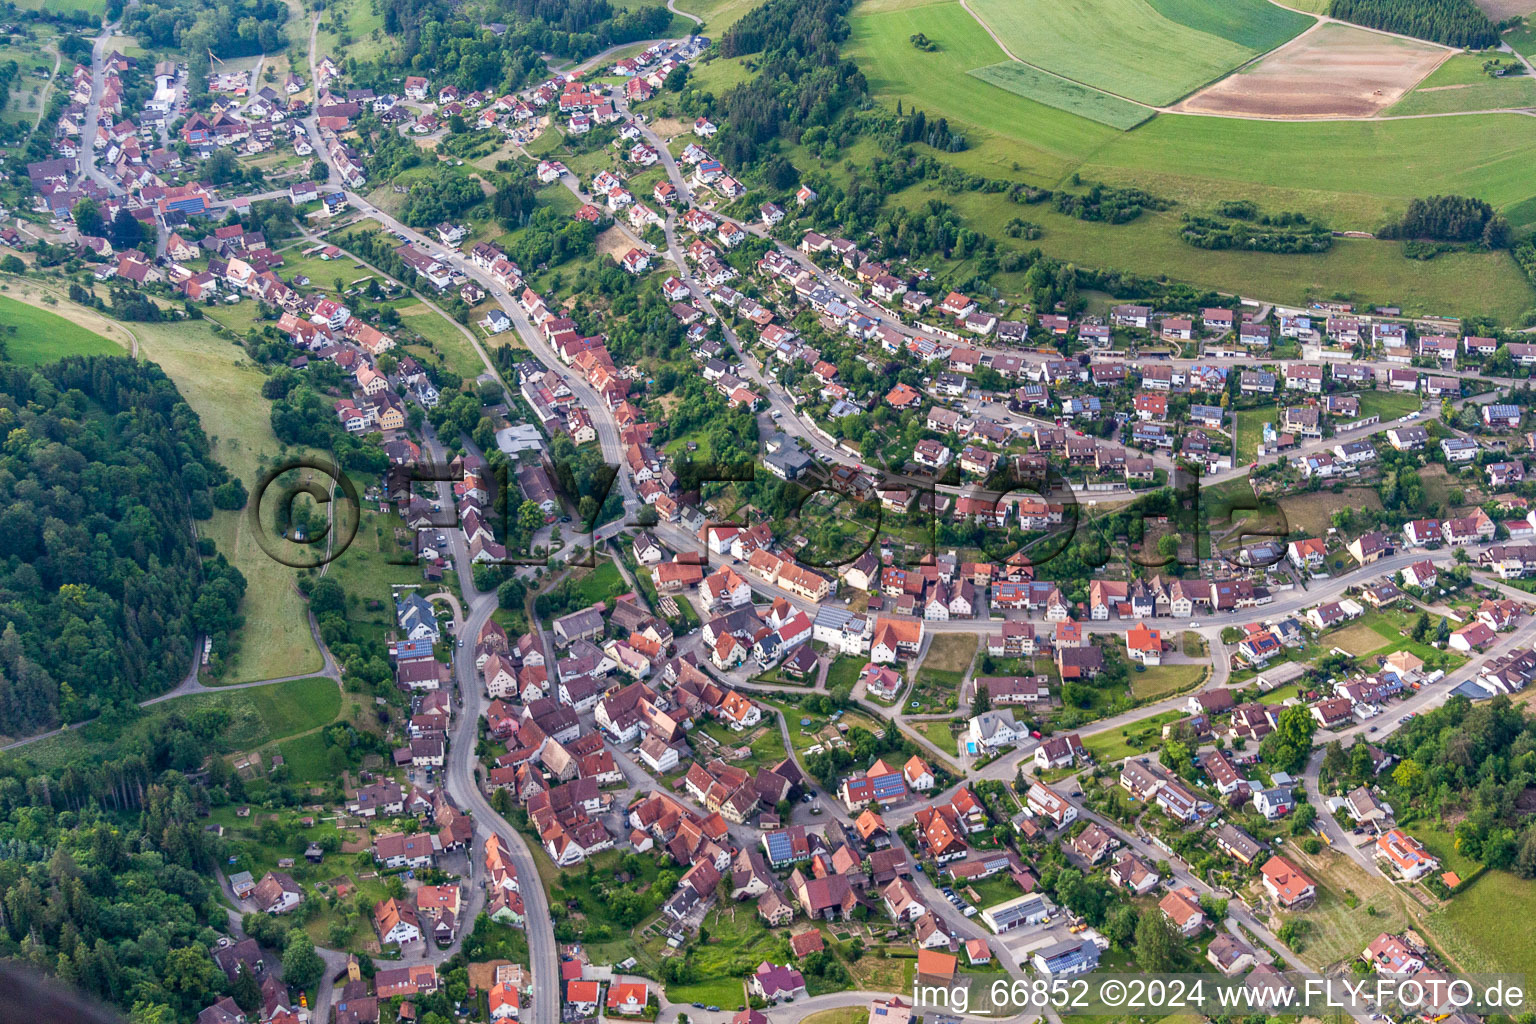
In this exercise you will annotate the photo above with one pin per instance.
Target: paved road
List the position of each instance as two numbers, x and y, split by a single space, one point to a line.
93 113
463 785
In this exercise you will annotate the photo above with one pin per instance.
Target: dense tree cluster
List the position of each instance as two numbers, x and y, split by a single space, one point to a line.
102 592
917 128
803 80
440 197
1108 203
1298 235
1452 22
1451 219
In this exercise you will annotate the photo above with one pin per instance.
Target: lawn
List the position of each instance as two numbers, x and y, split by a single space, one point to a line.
602 584
224 388
1393 626
33 336
1248 428
1114 744
1357 639
1461 84
817 728
1389 405
257 715
1063 94
1165 680
940 733
1136 49
844 672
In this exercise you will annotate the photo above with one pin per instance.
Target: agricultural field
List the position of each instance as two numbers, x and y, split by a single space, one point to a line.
1332 71
1032 138
1198 162
1202 159
1462 84
32 335
1498 10
1063 94
225 391
1150 53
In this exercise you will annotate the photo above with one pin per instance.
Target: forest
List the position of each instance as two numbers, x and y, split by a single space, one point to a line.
1452 22
231 28
102 591
436 36
803 82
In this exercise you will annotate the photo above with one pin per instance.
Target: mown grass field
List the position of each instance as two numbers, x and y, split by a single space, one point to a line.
1008 131
1063 94
1201 159
1130 48
1491 926
1389 405
1338 931
1165 680
42 337
1359 270
224 389
940 733
718 15
257 715
1461 84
